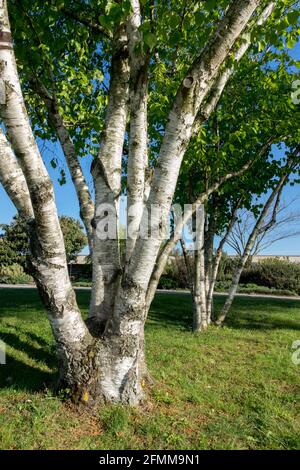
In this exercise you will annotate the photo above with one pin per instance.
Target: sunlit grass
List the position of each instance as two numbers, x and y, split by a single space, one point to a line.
229 388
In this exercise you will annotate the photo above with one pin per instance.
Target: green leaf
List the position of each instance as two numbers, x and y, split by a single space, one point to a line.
210 4
62 180
199 18
145 26
150 39
104 21
290 42
293 17
174 20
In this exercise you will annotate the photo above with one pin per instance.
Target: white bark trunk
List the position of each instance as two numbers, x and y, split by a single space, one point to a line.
138 155
85 200
166 250
107 179
91 368
209 238
13 180
189 98
217 259
200 321
110 367
125 331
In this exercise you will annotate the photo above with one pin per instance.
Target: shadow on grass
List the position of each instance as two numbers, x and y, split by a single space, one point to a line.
37 354
171 310
20 376
247 323
167 311
262 314
246 313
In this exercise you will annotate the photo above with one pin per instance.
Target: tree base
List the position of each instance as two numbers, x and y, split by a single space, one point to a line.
103 373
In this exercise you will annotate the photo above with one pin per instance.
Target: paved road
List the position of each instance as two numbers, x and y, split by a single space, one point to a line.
164 291
264 296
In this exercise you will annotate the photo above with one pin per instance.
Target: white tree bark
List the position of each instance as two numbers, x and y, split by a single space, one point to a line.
200 321
110 365
217 259
209 237
166 250
13 180
107 179
91 368
86 204
138 154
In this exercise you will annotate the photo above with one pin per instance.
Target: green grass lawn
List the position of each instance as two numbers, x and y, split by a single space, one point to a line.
230 388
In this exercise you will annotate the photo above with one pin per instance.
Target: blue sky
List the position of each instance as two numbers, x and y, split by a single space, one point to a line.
67 201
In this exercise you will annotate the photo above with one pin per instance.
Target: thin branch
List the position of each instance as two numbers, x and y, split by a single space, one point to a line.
90 23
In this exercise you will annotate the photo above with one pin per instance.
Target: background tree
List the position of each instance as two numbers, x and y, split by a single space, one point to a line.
285 226
15 243
74 237
265 221
228 146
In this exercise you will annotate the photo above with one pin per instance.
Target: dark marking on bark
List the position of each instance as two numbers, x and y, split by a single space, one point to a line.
5 36
41 193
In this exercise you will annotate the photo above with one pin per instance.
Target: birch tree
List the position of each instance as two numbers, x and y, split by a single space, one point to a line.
103 358
262 225
226 143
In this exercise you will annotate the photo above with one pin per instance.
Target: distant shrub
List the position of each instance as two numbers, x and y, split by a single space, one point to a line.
14 274
267 276
175 275
227 267
275 274
222 286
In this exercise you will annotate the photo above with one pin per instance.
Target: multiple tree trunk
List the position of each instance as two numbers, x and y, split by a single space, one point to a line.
260 226
203 261
104 357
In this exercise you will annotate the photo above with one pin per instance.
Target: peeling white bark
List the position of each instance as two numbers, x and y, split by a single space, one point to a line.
138 155
107 180
110 366
49 265
166 250
209 237
200 321
56 121
13 180
217 259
